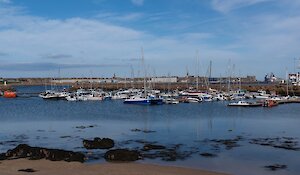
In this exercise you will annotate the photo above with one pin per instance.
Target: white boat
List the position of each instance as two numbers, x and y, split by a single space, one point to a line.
245 104
262 95
193 100
94 96
219 97
149 100
71 97
137 100
145 98
171 101
48 95
120 95
205 97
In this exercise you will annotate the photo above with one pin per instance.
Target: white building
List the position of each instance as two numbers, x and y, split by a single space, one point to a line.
295 78
164 80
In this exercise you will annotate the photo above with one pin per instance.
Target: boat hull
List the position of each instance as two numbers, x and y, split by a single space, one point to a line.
145 102
141 102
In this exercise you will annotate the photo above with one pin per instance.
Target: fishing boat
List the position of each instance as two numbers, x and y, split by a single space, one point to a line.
245 104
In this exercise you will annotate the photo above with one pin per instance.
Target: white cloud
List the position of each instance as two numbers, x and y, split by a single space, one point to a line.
225 6
119 17
252 44
138 2
27 39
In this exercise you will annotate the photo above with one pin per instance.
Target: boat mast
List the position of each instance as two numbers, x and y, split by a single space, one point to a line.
240 80
145 73
287 83
132 77
229 75
197 61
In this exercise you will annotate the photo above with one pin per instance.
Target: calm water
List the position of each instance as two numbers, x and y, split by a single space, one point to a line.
39 122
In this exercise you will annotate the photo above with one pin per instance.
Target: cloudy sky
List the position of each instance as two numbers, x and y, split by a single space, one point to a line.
102 37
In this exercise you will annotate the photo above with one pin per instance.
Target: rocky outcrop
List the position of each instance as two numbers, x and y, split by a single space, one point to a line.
276 167
35 153
99 143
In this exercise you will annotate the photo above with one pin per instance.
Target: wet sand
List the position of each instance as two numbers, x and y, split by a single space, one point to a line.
45 167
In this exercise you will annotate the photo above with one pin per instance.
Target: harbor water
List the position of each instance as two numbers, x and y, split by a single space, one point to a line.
194 128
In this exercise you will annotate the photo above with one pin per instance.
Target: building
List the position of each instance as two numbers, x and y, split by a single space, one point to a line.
271 78
164 79
295 78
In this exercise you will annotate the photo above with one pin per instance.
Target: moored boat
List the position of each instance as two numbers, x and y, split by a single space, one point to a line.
9 94
193 100
245 104
270 103
171 101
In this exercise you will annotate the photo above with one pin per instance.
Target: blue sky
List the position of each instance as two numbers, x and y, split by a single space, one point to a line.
103 37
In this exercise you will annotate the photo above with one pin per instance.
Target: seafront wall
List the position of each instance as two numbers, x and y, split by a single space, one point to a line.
280 89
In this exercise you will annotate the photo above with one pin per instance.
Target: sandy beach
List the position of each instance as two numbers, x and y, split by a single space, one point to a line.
45 167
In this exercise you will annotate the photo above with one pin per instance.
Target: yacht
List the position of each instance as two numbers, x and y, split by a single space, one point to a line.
245 104
171 101
148 100
193 100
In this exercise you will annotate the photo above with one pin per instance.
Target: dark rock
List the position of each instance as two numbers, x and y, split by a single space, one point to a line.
98 143
28 170
275 167
122 155
84 127
148 147
287 143
208 155
63 137
144 131
136 130
3 156
36 153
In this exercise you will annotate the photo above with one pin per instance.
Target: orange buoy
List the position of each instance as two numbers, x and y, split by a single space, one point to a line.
9 94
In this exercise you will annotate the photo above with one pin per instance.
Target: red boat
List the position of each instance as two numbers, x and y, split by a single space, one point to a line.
9 94
270 103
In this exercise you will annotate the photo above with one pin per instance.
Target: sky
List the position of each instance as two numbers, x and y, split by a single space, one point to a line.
100 38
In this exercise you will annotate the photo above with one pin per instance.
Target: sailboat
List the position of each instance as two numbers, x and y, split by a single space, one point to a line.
145 98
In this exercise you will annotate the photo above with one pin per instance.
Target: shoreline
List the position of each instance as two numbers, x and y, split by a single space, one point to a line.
46 167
